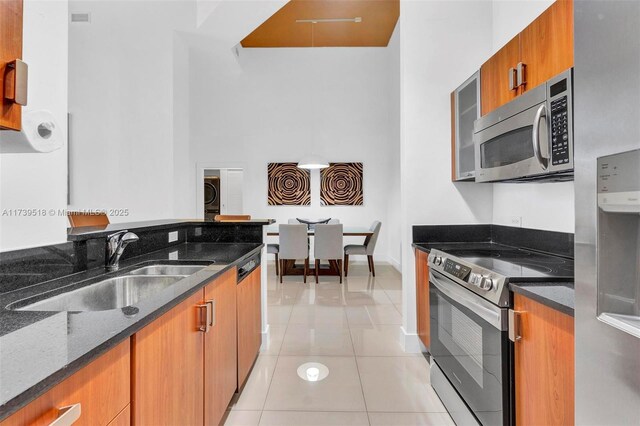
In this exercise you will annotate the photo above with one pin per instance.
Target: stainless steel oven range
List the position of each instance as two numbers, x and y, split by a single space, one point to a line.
472 355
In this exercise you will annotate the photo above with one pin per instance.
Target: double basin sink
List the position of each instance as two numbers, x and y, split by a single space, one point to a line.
112 293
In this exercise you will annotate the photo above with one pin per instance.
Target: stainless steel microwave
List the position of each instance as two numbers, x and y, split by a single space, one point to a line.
530 138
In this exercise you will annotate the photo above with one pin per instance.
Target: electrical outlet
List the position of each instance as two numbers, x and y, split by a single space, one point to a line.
173 236
173 255
198 231
516 221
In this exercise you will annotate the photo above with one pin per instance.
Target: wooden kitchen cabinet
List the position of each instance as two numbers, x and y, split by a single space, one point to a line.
544 365
122 419
168 368
101 388
422 297
220 348
10 50
544 48
494 77
546 45
249 323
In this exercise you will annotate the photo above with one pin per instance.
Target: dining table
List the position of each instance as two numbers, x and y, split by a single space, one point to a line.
347 231
333 268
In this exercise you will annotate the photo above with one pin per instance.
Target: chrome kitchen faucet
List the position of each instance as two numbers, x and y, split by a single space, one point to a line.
116 244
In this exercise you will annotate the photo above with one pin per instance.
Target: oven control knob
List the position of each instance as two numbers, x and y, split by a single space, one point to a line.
437 261
473 278
486 283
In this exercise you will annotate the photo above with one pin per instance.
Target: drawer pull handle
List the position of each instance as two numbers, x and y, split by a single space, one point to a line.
16 82
207 322
515 325
212 304
67 415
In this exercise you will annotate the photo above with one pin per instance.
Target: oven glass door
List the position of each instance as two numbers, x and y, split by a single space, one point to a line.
472 352
506 149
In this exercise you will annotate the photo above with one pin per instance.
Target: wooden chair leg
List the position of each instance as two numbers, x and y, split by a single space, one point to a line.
369 263
340 269
281 270
277 265
372 267
346 265
306 268
317 269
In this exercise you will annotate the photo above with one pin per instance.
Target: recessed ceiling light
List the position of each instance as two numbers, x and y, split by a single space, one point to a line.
313 371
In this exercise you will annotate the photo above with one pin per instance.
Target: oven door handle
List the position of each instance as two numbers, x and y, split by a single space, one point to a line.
485 310
542 112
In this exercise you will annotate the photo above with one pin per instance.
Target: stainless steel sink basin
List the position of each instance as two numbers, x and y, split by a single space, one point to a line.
168 270
113 293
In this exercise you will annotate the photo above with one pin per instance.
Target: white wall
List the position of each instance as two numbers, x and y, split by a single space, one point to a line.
540 206
394 216
38 181
275 105
441 44
123 67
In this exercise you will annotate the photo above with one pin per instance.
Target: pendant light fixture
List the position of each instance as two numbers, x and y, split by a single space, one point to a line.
314 161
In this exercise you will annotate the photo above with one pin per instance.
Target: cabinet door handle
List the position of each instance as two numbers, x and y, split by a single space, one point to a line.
67 415
207 322
521 77
15 85
512 78
515 325
212 303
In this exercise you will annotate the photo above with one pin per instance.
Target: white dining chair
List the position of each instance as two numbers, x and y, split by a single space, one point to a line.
274 249
327 245
293 246
365 249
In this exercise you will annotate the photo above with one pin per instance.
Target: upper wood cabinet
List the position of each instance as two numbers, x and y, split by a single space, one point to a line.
422 297
542 50
10 50
496 75
220 354
544 365
546 45
100 391
249 323
168 379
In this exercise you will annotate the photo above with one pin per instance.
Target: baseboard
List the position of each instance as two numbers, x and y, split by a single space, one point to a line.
411 343
396 264
265 338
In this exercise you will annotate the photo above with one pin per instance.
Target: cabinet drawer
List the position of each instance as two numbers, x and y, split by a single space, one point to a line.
101 388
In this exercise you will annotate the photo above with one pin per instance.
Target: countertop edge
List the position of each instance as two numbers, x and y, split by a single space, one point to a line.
522 288
90 232
39 389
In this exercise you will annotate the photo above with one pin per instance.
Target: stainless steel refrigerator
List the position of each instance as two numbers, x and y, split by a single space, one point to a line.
607 202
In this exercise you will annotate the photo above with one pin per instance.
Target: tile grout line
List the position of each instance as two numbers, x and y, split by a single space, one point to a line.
355 359
277 361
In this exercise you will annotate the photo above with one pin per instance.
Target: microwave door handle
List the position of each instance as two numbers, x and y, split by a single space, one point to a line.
542 112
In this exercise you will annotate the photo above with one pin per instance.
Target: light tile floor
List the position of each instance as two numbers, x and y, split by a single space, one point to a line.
354 329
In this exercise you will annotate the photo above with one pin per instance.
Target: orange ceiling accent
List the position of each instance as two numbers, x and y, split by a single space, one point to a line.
379 18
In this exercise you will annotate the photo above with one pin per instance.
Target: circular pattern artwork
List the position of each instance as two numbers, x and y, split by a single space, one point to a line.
288 185
341 185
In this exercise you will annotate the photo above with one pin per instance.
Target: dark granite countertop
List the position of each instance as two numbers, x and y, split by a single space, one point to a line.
87 232
40 349
557 295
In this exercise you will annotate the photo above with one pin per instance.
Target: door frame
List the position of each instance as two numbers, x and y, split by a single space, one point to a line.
200 168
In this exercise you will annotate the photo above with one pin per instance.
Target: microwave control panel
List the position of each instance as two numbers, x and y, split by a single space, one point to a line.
559 131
